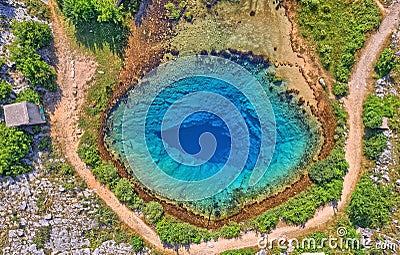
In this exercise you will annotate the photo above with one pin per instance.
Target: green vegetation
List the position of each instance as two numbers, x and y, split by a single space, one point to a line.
374 145
333 167
340 89
385 63
177 233
80 11
266 222
45 144
42 237
29 95
5 90
29 37
175 12
107 174
15 145
375 108
31 34
230 230
337 29
88 151
370 204
38 9
137 243
154 212
124 191
247 251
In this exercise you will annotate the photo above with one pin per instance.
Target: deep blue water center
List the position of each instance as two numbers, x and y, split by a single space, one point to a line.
197 124
297 139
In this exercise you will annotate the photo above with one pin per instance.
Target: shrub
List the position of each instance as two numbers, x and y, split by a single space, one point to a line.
230 230
124 191
374 108
374 146
80 11
137 243
5 90
31 34
385 63
298 210
38 9
266 222
177 233
88 151
370 204
246 251
29 95
15 145
154 212
333 167
107 174
340 89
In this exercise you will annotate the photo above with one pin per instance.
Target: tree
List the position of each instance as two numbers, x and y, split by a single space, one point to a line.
124 190
31 34
370 204
154 212
177 233
5 90
385 63
15 145
80 11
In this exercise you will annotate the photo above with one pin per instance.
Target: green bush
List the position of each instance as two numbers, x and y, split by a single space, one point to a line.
370 204
80 11
375 108
374 145
29 95
124 191
154 212
266 222
298 210
340 89
246 251
39 73
15 145
333 167
385 63
31 34
177 233
137 243
5 90
38 9
88 150
107 174
230 230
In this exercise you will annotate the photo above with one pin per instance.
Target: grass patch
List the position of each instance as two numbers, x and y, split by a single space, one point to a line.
337 29
42 237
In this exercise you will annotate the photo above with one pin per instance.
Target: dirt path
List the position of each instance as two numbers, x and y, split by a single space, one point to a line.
74 70
64 126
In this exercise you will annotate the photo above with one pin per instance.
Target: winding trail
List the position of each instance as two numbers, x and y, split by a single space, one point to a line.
66 113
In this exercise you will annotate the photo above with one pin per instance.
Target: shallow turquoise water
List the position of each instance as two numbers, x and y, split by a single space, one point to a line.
296 135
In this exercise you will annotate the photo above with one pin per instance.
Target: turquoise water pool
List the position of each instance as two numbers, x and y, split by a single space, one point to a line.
201 124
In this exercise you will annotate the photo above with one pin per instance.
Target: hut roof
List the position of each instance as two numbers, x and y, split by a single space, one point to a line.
23 113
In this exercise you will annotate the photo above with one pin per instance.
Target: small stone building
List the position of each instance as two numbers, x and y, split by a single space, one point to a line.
23 114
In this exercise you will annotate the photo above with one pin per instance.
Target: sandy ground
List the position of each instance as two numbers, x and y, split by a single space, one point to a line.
64 126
